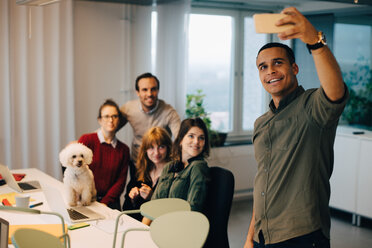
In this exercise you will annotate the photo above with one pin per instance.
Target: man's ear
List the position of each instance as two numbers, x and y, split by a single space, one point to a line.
295 68
137 92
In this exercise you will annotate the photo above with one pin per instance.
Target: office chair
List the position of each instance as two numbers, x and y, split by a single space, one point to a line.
26 234
4 233
218 206
153 209
181 229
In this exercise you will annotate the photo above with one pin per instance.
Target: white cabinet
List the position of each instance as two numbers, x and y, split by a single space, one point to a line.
241 162
344 177
364 193
351 181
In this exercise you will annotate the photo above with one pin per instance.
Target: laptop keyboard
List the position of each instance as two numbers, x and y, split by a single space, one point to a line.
75 215
26 186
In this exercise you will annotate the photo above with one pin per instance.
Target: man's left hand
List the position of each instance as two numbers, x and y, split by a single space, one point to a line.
301 29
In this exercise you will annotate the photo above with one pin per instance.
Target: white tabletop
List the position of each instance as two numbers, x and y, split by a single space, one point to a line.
99 234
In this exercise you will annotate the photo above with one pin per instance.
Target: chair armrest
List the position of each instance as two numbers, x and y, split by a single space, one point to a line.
136 211
59 216
129 230
65 238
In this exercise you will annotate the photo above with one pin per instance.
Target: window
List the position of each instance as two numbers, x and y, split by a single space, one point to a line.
356 67
210 61
254 103
222 63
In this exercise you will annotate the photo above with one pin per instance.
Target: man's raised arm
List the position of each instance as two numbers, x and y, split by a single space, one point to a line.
328 70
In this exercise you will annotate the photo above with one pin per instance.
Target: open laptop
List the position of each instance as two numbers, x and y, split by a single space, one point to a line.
21 187
73 214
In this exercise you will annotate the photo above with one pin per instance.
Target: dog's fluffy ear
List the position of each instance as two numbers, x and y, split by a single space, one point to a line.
88 154
63 156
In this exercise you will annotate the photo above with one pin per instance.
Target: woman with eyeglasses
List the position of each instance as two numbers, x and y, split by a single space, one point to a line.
187 175
153 155
110 156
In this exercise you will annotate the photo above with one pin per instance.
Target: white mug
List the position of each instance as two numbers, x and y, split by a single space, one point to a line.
22 201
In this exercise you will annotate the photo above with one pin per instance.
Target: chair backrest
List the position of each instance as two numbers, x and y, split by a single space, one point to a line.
182 229
31 238
4 233
218 206
155 208
63 229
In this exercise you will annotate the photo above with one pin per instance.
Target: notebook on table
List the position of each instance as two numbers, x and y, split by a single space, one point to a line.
56 203
22 187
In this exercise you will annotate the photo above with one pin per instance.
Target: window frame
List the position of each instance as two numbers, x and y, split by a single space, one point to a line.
237 134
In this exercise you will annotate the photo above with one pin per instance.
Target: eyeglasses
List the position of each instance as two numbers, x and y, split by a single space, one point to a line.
109 117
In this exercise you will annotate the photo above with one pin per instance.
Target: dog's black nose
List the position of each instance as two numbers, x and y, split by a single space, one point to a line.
80 162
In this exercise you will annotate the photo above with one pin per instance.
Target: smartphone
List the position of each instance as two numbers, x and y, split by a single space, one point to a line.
265 23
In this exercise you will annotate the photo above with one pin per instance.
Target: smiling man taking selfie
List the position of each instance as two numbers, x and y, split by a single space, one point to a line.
293 142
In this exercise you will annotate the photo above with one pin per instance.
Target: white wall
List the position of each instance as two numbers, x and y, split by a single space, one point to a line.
97 44
104 67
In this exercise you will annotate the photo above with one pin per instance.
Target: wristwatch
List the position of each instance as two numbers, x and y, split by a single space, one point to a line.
321 42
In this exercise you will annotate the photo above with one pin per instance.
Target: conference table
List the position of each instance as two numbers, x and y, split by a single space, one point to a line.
100 232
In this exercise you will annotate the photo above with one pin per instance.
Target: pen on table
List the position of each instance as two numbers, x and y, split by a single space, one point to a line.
36 204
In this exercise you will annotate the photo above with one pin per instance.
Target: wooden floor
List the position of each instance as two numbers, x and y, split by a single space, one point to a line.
343 233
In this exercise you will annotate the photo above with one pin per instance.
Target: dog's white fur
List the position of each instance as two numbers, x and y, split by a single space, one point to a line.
78 178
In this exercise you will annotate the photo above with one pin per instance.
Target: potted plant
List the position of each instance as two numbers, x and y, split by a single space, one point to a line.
195 108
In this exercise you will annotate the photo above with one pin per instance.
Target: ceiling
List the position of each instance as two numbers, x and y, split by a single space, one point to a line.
136 2
314 6
347 7
291 2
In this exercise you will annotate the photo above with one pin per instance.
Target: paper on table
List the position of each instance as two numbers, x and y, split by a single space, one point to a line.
125 223
11 197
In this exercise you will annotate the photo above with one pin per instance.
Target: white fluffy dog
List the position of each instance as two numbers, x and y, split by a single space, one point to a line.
78 178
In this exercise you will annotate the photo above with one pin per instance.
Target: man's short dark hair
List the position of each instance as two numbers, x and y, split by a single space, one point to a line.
146 75
288 50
